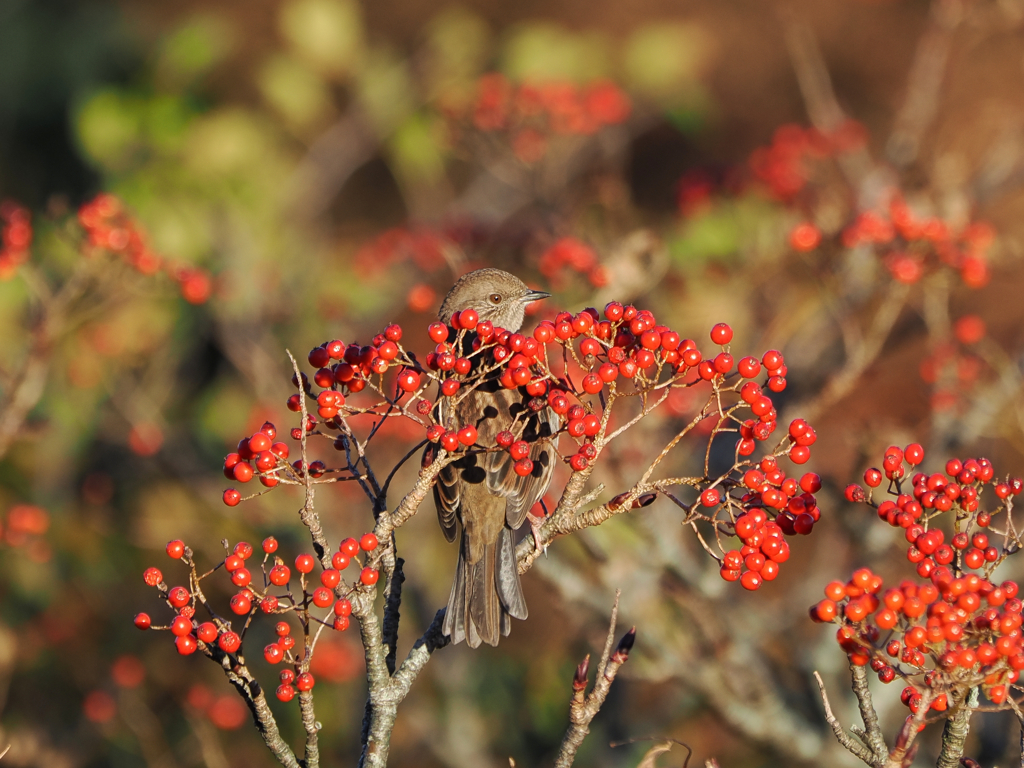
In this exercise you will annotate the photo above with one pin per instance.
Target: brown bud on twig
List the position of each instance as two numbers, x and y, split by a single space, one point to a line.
641 501
966 762
911 754
428 456
624 647
579 680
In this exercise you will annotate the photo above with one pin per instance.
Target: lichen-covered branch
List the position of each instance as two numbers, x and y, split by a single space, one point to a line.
954 733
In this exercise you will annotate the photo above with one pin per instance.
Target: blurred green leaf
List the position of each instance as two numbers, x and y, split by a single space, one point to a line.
544 51
386 89
459 42
109 125
661 59
228 141
327 33
415 150
193 49
728 231
294 89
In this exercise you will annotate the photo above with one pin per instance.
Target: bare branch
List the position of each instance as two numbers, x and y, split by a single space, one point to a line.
858 750
583 708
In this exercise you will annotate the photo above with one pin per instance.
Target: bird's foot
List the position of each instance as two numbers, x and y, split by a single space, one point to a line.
535 525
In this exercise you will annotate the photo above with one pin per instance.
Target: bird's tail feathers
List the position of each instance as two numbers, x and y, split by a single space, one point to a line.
485 595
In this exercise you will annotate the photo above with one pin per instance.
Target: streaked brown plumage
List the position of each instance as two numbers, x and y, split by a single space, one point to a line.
480 490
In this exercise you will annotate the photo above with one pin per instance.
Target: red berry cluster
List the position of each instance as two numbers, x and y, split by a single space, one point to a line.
953 367
915 244
572 254
191 634
258 455
15 237
911 245
942 636
772 506
530 113
784 165
24 527
108 227
958 491
423 247
958 628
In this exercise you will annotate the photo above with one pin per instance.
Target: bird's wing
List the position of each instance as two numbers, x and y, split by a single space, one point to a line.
446 492
501 406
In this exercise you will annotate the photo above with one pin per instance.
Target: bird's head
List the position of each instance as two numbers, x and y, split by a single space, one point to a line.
496 296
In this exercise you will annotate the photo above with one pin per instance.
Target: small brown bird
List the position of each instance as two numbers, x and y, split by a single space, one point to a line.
480 490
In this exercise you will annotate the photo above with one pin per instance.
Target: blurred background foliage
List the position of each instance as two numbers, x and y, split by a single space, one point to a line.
331 164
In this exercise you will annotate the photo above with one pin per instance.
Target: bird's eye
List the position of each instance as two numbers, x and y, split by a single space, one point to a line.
495 298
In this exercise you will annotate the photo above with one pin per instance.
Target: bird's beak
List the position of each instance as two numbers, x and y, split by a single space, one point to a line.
531 296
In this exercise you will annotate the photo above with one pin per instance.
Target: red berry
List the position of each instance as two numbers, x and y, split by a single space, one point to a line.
349 547
438 332
805 237
305 682
180 626
270 545
229 642
409 381
710 497
914 454
369 576
259 442
280 575
721 334
273 653
330 578
152 576
577 461
751 580
178 597
467 435
523 467
143 621
285 692
343 608
341 623
799 454
749 367
175 549
340 561
241 603
319 357
186 644
322 597
772 360
368 542
304 563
